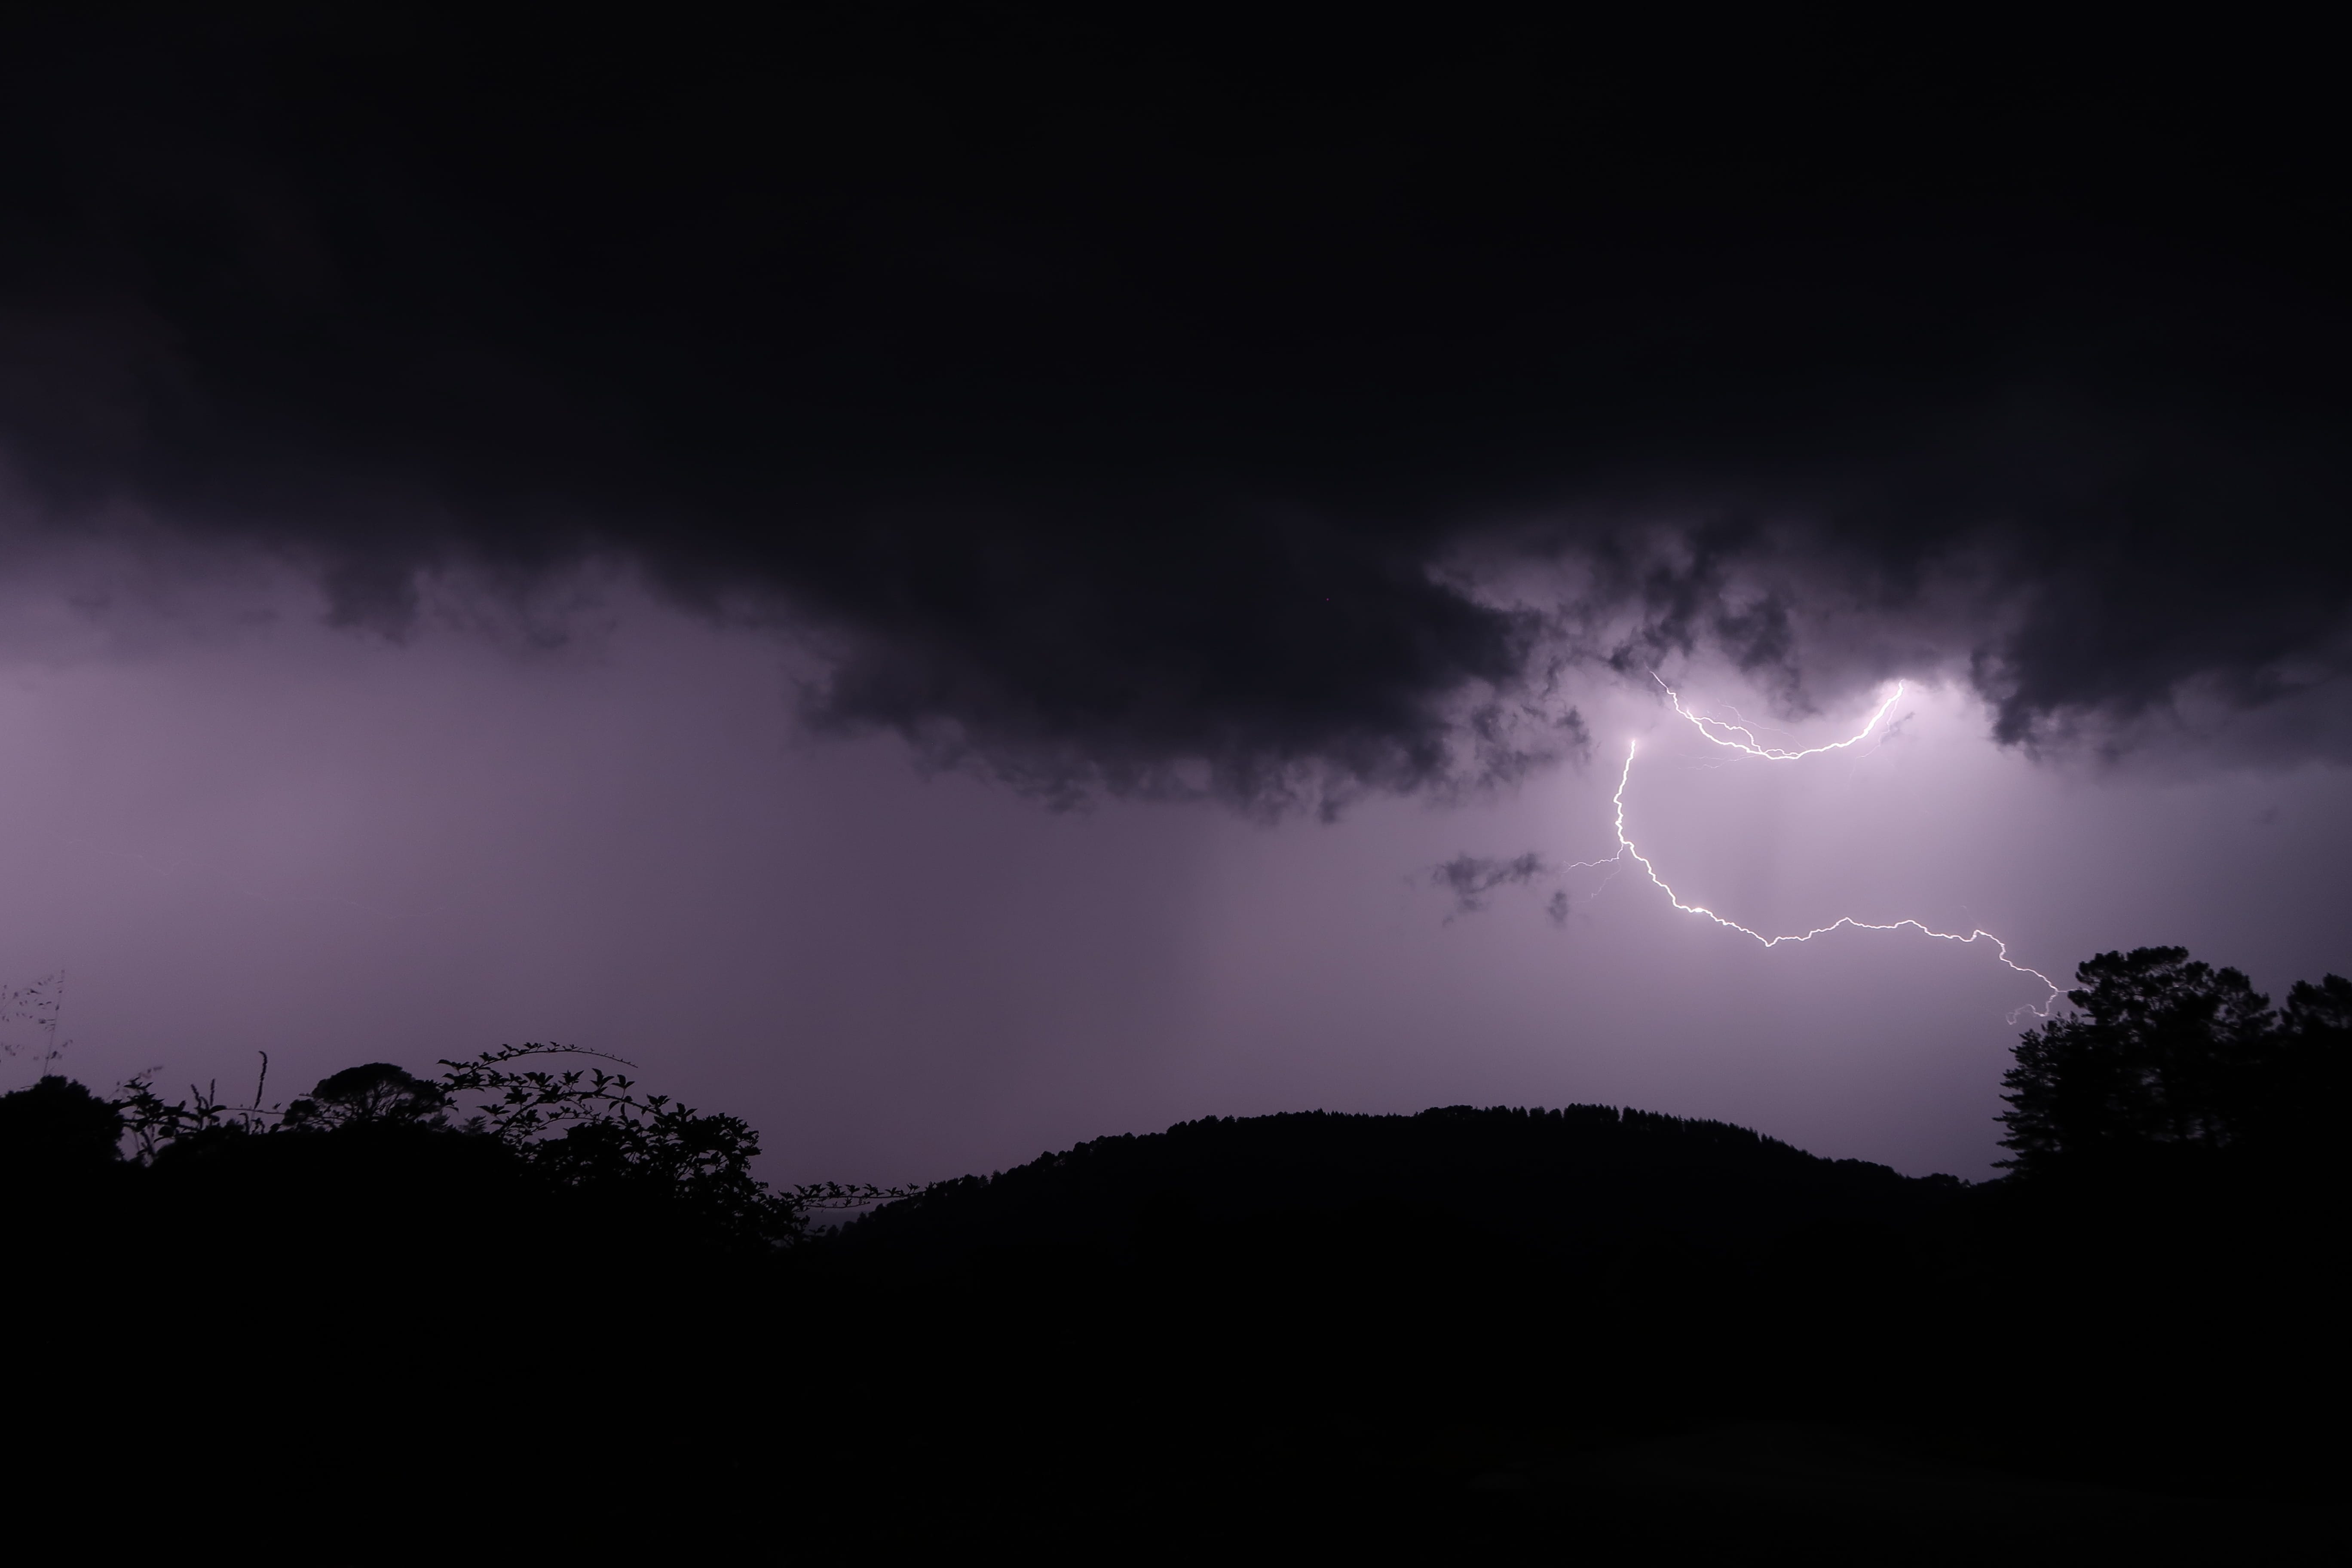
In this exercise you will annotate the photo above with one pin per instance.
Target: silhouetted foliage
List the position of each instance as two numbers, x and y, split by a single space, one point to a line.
153 1123
585 1130
2175 1219
2170 1061
36 1005
2306 1074
375 1094
57 1126
590 1129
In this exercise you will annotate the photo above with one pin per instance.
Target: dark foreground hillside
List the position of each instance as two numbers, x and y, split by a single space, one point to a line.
533 1314
1556 1334
1650 1335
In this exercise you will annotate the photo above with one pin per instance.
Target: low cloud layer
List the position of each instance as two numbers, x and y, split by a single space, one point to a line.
1112 418
1473 878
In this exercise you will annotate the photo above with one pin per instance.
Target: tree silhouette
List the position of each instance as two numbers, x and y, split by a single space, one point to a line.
2171 1061
374 1094
2306 1071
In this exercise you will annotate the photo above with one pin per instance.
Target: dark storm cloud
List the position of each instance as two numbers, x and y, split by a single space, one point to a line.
1141 411
1471 878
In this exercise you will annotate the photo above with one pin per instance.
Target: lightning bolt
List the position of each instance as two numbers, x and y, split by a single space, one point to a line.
1721 735
1771 754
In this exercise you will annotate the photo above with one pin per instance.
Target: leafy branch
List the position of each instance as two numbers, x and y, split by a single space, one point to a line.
151 1121
39 1003
590 1127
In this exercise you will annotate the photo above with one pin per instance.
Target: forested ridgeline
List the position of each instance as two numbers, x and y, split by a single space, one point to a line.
532 1303
1564 1182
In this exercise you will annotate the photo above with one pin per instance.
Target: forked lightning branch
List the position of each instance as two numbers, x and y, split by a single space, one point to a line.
1739 738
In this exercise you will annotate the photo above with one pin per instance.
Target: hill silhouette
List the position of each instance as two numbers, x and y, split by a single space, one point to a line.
1566 1184
528 1304
1478 1328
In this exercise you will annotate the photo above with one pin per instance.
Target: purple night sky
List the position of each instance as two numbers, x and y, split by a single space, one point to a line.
949 598
236 829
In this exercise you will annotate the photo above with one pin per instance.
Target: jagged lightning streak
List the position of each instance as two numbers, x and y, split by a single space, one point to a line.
1772 754
1753 748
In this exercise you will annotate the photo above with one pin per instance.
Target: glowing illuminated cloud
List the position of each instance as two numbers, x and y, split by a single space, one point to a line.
1721 735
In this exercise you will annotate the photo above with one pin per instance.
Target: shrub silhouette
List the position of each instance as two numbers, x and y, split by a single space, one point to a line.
585 1131
57 1127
